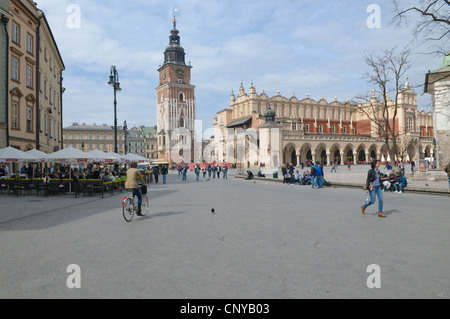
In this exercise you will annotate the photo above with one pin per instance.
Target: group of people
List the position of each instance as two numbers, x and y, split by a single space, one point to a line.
314 177
156 171
212 171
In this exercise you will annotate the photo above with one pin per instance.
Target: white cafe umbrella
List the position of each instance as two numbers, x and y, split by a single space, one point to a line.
11 154
100 156
136 158
117 158
41 156
69 155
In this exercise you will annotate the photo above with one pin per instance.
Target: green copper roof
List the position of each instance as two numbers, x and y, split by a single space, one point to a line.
445 64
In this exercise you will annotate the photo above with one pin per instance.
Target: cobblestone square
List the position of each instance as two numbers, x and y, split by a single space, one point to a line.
264 240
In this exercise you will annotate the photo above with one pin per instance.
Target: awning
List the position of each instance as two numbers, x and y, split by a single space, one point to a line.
239 122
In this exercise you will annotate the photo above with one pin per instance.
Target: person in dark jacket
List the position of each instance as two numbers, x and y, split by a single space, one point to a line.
164 171
373 187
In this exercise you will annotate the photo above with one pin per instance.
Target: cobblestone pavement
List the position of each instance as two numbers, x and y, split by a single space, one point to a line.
264 240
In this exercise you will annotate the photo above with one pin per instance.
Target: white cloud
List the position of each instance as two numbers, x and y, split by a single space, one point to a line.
288 45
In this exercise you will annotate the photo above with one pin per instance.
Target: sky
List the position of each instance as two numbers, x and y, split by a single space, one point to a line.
292 46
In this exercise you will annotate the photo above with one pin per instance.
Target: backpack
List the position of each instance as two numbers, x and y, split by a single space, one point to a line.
313 171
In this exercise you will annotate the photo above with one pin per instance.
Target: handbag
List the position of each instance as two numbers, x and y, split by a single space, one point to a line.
144 189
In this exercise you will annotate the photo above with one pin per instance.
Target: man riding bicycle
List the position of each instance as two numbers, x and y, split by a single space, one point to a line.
132 184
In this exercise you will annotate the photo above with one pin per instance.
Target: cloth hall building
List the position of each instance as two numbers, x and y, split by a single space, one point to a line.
258 129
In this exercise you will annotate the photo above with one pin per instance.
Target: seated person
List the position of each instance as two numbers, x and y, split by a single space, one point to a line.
297 177
394 182
385 184
287 177
249 175
260 174
402 183
306 179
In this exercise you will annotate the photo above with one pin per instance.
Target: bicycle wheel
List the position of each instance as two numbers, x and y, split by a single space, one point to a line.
128 209
144 205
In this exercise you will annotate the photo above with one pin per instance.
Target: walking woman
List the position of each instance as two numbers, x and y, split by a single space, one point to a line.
373 186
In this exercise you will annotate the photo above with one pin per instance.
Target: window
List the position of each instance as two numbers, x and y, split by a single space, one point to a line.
29 44
15 33
409 124
14 115
306 128
29 76
344 130
320 128
182 122
45 124
29 119
14 69
181 97
294 126
333 129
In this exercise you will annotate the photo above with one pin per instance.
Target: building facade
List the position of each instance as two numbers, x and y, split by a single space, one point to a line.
23 60
31 111
151 142
4 71
49 116
90 137
176 105
308 130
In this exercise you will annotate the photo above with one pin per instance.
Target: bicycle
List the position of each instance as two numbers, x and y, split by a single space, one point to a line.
130 206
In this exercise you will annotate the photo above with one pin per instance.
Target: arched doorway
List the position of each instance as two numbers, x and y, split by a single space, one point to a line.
349 157
294 158
361 156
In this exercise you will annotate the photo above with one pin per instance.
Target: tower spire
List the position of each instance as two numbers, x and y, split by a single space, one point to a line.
174 18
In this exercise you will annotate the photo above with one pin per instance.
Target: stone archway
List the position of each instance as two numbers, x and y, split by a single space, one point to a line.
306 154
289 154
335 154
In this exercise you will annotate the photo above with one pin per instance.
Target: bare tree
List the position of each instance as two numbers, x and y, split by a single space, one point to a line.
433 23
385 74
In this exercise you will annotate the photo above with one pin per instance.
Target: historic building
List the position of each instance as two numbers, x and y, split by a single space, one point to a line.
259 130
151 142
23 59
139 140
176 105
90 137
4 71
49 117
31 111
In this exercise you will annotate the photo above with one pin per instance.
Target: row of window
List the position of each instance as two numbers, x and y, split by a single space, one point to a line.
16 37
51 128
15 117
320 129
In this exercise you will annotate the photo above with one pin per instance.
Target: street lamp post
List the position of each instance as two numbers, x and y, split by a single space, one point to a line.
114 82
125 133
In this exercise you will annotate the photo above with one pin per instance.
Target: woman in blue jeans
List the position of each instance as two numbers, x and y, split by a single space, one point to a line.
373 176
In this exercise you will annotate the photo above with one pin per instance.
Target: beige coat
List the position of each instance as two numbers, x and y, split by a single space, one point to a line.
132 178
